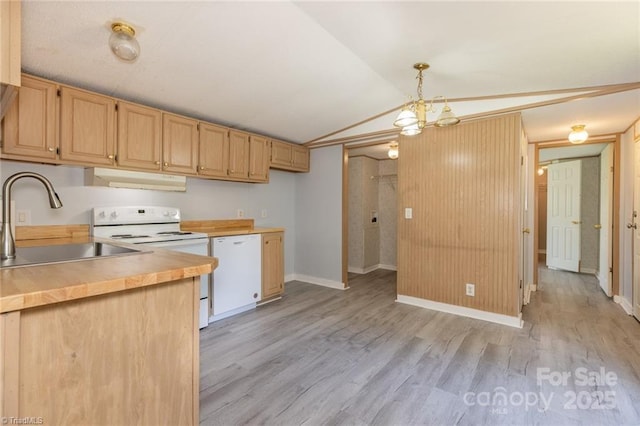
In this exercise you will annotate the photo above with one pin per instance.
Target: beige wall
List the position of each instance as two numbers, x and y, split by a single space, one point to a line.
387 202
462 183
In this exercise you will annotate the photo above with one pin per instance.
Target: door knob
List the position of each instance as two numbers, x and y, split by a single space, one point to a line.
632 225
576 222
598 226
526 231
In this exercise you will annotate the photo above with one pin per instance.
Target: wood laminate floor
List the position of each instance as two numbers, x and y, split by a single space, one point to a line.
329 357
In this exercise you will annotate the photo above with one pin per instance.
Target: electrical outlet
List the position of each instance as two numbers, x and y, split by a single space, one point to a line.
263 213
408 213
471 289
240 213
23 217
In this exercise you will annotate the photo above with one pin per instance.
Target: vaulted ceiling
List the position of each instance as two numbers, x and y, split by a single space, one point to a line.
301 70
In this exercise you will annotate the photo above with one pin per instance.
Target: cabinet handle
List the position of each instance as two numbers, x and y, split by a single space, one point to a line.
201 167
51 149
157 163
165 164
110 157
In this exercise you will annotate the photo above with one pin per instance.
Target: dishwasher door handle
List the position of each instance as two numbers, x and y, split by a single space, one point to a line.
235 243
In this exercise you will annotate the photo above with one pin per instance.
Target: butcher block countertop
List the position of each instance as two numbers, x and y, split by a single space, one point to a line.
224 228
31 286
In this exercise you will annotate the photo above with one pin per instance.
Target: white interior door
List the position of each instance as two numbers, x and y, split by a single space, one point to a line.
606 222
563 215
636 233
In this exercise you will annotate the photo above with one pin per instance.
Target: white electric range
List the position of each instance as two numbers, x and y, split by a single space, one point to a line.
154 226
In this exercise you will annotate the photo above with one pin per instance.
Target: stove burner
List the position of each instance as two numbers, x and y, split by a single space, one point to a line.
175 233
128 236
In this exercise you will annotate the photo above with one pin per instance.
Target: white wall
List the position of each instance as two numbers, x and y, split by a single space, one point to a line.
318 256
204 199
626 211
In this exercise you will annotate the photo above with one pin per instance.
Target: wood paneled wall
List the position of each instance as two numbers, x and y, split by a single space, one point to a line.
463 184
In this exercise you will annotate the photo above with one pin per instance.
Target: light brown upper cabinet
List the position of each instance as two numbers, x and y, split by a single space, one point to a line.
300 158
259 154
31 123
179 144
214 150
238 154
139 137
272 264
10 22
289 156
280 154
87 127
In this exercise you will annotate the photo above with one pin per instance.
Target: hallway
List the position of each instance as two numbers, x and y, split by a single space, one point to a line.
356 357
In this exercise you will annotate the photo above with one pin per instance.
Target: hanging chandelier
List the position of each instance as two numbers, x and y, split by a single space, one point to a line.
413 116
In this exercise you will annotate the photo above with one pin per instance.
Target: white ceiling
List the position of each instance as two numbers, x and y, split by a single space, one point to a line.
301 70
576 151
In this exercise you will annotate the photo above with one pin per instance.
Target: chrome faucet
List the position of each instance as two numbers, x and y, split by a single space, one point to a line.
8 248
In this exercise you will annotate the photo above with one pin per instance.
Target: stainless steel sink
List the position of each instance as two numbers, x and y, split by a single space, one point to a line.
43 255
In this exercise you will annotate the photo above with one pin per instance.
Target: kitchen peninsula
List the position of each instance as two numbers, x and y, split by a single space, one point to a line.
106 341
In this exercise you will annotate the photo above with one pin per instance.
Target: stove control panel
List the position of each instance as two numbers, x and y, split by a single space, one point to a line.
135 215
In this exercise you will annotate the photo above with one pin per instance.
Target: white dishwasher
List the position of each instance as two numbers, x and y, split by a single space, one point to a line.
237 281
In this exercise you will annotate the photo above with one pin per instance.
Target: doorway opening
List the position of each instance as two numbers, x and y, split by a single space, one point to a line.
575 210
371 219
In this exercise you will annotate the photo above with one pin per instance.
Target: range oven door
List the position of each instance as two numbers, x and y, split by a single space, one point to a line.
201 247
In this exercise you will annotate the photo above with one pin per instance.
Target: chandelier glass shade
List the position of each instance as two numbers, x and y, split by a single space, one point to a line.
413 116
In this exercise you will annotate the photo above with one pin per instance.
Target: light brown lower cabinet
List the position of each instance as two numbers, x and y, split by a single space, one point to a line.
272 264
130 357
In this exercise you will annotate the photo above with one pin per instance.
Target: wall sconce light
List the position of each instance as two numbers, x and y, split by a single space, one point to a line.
393 150
578 134
123 43
413 116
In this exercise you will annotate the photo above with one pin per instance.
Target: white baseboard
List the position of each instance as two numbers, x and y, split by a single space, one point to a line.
462 311
356 270
588 271
624 303
289 277
387 267
318 281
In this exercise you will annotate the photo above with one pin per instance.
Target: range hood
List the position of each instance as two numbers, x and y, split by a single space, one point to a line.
114 178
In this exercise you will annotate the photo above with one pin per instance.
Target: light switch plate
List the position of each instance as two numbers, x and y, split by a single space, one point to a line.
408 213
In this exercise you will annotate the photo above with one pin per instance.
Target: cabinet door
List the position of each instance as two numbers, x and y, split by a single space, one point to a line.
139 137
280 154
238 154
214 150
179 144
10 62
87 127
300 158
30 125
259 153
272 264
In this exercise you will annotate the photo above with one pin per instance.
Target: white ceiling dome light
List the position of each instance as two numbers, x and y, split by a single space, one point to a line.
578 134
123 43
393 150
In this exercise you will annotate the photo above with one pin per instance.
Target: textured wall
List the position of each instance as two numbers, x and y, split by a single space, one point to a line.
364 237
463 185
590 215
387 208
